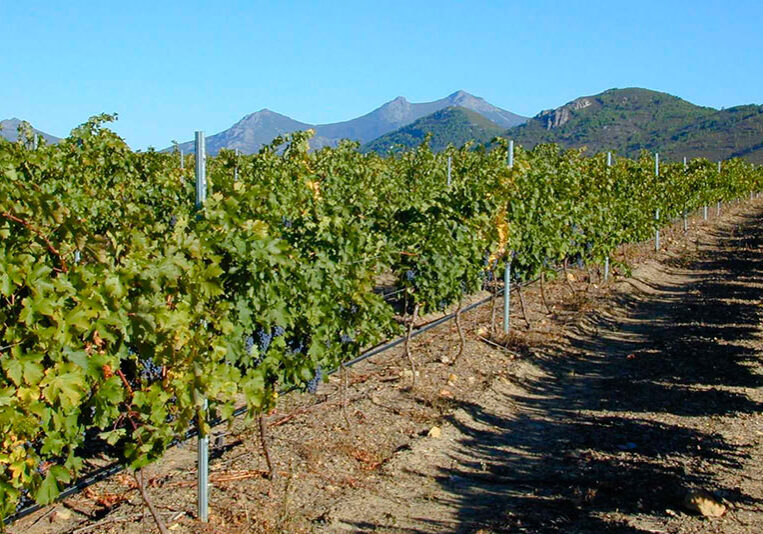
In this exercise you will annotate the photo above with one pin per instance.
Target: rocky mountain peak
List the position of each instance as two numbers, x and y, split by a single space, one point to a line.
555 118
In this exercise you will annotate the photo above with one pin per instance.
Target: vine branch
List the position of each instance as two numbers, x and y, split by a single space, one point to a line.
26 224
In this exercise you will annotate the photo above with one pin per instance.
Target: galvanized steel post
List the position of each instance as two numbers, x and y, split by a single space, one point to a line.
606 259
657 211
657 232
686 215
182 161
450 165
201 170
203 443
507 270
718 204
507 293
606 268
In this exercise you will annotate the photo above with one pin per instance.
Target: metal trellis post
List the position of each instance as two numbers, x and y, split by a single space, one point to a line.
686 215
507 270
657 211
606 259
507 293
203 443
606 268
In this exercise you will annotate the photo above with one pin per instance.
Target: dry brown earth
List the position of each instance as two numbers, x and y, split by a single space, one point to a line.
606 417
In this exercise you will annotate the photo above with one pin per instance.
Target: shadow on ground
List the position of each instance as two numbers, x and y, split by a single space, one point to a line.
617 425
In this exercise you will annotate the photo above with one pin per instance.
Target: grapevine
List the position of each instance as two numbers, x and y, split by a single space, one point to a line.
274 282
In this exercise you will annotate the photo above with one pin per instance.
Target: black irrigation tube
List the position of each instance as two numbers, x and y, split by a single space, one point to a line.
110 470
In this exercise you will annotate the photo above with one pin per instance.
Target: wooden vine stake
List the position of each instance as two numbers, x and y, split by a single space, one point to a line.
522 305
462 344
493 302
140 482
543 291
266 448
344 381
408 335
567 276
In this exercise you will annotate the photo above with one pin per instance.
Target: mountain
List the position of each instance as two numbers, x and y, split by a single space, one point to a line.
399 112
728 133
256 129
453 125
629 120
9 131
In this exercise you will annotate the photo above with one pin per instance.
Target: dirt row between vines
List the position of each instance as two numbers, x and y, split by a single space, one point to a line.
601 417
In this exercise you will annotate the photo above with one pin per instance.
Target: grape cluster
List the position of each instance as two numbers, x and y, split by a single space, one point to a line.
486 277
173 222
312 384
278 331
286 222
249 344
150 372
410 275
23 501
296 346
346 338
263 340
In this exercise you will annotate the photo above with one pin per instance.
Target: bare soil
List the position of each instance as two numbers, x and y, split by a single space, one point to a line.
600 416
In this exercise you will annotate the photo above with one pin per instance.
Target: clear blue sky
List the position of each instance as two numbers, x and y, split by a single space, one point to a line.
170 68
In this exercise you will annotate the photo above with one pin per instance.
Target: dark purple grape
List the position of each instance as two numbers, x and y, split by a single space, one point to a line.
296 346
312 384
263 340
278 331
150 372
249 344
410 275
